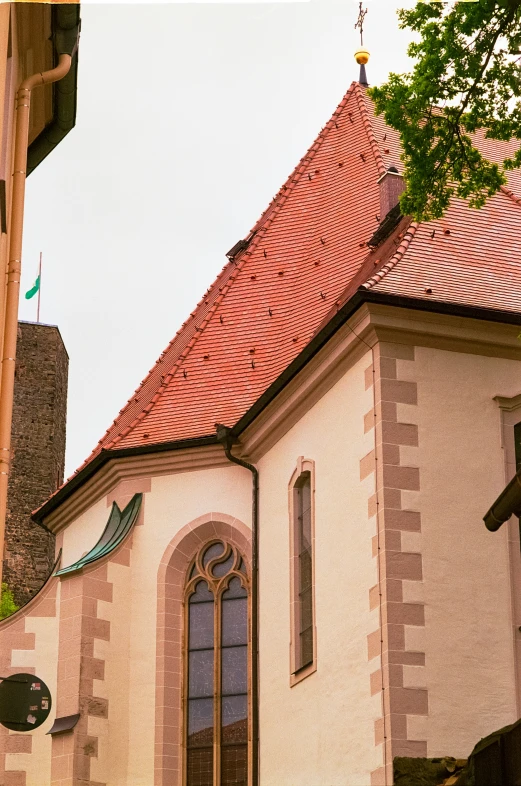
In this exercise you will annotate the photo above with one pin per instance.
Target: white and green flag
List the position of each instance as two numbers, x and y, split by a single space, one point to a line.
34 289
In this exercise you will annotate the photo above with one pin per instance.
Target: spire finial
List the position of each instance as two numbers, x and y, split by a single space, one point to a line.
362 12
361 55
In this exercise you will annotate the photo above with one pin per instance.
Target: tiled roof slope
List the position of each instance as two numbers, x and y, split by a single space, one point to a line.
390 149
469 257
305 255
265 306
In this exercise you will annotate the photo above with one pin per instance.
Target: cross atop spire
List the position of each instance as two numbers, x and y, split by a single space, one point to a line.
361 55
360 22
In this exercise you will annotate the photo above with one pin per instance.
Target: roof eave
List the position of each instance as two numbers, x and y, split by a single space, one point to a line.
361 296
444 307
102 458
321 338
65 17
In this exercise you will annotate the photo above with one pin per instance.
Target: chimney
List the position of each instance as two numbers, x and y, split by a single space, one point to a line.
391 186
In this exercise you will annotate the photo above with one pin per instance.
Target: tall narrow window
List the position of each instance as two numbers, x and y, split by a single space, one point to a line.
216 671
303 638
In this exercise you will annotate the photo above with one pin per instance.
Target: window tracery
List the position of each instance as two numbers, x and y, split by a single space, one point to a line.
217 668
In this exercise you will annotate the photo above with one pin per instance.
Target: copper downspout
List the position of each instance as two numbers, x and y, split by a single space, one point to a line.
14 267
226 438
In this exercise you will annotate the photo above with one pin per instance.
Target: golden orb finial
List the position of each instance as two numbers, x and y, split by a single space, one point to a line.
362 56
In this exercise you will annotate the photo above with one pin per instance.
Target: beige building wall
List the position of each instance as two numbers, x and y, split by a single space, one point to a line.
121 746
325 729
43 659
82 533
125 742
321 730
468 636
173 502
29 643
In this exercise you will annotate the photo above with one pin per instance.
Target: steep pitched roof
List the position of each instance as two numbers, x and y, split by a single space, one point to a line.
305 256
266 304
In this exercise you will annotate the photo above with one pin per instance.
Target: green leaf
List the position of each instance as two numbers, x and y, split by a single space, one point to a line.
464 78
7 604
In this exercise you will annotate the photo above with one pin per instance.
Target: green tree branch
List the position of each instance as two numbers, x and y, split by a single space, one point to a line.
465 77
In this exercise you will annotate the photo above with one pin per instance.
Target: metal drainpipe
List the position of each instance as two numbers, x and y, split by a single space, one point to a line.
14 267
225 437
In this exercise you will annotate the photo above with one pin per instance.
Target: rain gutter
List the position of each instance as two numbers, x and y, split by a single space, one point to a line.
65 26
14 264
226 438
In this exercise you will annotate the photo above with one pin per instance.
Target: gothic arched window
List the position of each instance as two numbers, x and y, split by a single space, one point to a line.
216 668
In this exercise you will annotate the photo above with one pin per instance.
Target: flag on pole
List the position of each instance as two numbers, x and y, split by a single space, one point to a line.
34 289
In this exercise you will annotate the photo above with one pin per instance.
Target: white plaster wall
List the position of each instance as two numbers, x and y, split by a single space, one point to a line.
44 658
468 634
174 501
321 731
84 532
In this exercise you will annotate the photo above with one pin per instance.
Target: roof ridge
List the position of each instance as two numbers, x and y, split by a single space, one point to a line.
510 194
396 257
369 129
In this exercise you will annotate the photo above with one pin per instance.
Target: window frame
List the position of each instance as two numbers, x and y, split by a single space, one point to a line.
217 587
510 416
297 671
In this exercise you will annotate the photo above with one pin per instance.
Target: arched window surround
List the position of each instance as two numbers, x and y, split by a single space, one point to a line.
172 578
298 672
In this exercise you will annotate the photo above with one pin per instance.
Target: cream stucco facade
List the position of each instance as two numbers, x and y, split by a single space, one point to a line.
415 627
469 630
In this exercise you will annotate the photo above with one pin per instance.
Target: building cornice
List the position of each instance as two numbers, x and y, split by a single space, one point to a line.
372 323
508 404
129 467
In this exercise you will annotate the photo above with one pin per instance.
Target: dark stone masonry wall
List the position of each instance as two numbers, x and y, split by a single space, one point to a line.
37 454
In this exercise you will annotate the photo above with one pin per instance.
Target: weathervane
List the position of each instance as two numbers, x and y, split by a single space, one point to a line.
362 55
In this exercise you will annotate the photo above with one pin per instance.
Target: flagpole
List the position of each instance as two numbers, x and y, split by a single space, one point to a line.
39 288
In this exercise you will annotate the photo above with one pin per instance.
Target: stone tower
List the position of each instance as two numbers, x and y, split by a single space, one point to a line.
38 454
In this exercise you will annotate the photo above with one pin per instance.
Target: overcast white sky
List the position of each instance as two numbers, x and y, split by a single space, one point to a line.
190 117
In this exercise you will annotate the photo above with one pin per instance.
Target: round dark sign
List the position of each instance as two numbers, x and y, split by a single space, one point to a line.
25 702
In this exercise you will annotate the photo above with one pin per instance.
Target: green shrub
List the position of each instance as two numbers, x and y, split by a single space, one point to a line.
7 604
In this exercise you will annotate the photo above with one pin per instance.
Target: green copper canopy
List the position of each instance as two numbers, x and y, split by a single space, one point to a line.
117 528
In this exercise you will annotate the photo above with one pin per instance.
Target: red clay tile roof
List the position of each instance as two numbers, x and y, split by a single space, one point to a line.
469 257
304 251
265 306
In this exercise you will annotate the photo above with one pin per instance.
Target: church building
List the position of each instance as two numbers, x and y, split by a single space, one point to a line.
273 569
